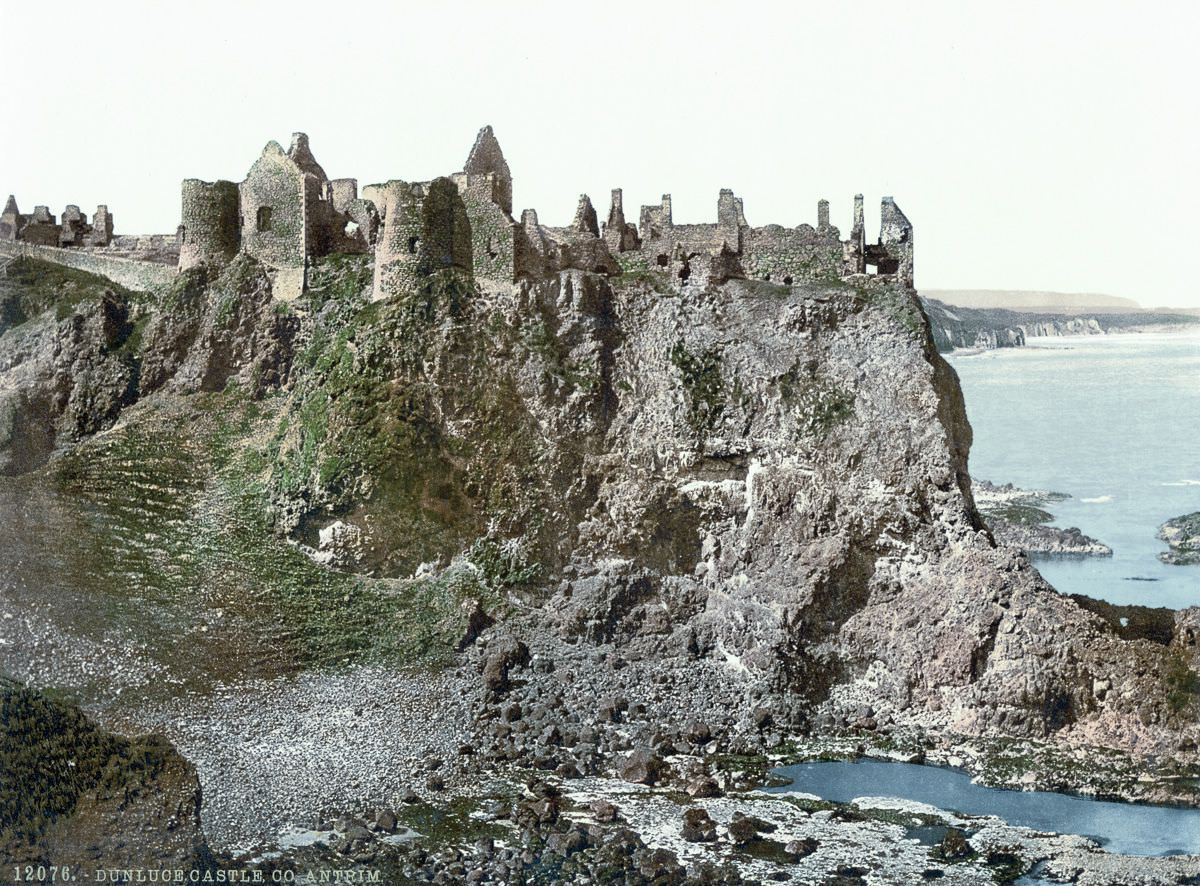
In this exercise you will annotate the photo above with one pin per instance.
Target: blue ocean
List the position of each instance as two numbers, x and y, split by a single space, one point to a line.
1114 422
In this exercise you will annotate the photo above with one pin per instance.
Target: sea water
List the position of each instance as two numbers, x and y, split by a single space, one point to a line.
1119 827
1114 422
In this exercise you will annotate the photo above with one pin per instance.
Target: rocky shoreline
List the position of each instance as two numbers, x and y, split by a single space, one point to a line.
956 328
1018 517
1182 535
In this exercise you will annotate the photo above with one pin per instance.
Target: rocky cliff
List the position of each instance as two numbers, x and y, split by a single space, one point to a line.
956 327
760 493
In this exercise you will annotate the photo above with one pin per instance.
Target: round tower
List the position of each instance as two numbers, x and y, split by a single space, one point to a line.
210 223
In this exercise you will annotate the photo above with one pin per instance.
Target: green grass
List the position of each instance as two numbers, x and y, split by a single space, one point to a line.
819 403
1019 514
178 522
364 433
703 385
33 287
51 755
902 306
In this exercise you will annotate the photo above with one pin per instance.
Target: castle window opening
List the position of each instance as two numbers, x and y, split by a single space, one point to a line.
663 261
787 280
413 244
263 219
182 235
493 247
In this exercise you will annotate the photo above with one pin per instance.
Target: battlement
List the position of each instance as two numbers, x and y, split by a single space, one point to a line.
41 228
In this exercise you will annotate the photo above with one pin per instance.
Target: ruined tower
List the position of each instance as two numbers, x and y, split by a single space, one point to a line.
210 229
102 227
618 233
486 158
10 220
426 230
727 220
896 238
275 199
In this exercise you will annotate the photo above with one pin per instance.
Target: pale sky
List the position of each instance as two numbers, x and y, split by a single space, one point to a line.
1048 145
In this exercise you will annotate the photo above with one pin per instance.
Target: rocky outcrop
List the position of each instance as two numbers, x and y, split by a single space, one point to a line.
218 332
679 493
76 350
74 795
1017 518
1182 535
66 362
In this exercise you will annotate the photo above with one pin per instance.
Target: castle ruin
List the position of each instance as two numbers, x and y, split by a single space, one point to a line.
288 212
41 228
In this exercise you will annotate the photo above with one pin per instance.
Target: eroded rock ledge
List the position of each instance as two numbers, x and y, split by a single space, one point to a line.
1182 535
1018 517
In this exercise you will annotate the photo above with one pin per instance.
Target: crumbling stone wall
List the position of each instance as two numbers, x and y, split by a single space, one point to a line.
486 158
342 193
11 220
854 254
274 200
42 229
73 227
787 255
896 239
492 228
620 235
102 227
579 246
290 212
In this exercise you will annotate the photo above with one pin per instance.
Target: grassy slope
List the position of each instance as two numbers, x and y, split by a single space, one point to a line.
179 504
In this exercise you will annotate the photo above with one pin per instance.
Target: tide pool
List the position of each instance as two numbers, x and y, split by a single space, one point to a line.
1125 828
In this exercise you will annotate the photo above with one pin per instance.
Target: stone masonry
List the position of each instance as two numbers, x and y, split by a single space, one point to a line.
287 212
41 228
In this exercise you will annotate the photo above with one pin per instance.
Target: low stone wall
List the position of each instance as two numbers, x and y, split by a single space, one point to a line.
140 276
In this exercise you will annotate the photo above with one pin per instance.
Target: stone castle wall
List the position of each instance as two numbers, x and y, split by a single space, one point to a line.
289 213
273 211
141 276
785 255
492 229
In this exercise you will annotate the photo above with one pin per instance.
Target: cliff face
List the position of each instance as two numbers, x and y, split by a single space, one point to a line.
956 327
773 475
66 360
768 476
